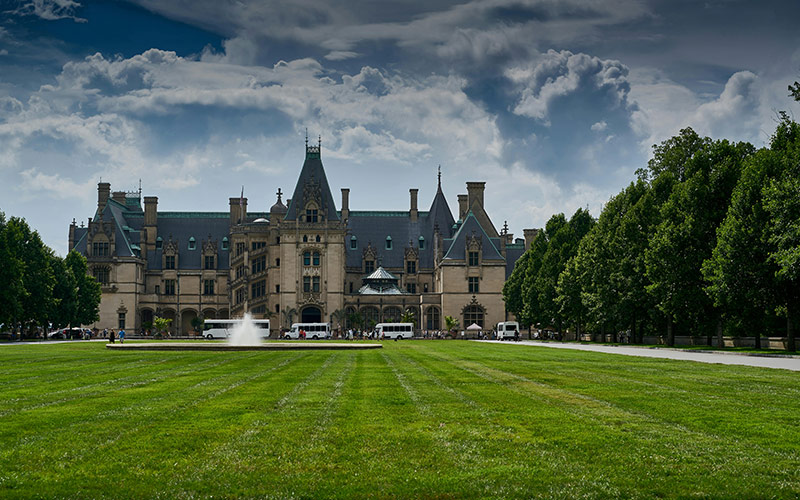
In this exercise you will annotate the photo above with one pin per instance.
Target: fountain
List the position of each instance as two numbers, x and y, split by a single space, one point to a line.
246 333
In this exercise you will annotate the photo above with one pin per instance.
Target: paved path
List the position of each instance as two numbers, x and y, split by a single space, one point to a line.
727 358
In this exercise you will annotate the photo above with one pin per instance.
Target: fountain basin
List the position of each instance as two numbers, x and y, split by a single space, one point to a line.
219 346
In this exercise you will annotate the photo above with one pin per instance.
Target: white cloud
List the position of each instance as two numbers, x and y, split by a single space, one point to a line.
559 74
50 10
599 126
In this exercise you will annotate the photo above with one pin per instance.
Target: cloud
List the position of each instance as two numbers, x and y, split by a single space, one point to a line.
50 10
599 126
341 55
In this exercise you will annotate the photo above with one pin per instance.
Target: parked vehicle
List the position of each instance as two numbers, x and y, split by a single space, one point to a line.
74 333
312 331
222 328
508 330
394 330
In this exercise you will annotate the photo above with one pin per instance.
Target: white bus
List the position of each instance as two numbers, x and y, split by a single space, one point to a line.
507 330
395 330
222 328
313 331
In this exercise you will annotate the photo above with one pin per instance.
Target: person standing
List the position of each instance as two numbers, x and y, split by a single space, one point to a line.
121 336
111 335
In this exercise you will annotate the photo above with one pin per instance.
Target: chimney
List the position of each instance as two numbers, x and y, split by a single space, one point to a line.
475 192
103 190
462 206
414 213
530 234
72 234
119 197
150 210
345 203
238 213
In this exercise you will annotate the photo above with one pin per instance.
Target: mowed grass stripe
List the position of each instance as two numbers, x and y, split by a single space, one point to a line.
163 432
38 428
662 446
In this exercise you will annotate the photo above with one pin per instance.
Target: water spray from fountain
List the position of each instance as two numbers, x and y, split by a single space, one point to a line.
245 333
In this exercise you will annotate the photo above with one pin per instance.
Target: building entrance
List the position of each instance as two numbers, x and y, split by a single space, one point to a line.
311 314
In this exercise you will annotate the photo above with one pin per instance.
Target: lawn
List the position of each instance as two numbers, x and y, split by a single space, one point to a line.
417 419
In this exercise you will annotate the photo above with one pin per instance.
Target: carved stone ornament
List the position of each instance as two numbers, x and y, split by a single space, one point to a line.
312 191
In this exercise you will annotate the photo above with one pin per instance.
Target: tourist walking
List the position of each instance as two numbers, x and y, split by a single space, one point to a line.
111 335
121 336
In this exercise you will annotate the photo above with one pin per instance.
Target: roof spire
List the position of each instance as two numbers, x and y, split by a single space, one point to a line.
279 194
440 177
306 137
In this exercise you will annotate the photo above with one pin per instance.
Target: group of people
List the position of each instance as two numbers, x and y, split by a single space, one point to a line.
111 335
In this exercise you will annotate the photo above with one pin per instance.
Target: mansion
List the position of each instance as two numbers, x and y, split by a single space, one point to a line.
303 261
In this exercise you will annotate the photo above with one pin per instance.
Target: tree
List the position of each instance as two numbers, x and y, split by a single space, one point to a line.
338 316
794 91
161 325
409 316
451 323
355 319
12 291
65 293
197 324
686 234
89 292
512 289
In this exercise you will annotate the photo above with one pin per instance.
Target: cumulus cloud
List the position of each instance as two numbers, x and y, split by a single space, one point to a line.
559 74
50 10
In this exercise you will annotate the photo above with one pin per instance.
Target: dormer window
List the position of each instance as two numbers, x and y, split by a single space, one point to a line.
192 243
169 262
422 242
474 258
353 243
159 243
312 215
388 243
225 243
369 266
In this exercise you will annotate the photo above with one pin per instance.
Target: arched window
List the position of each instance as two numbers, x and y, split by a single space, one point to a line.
306 258
159 243
421 242
192 243
392 314
225 243
388 243
317 239
432 318
473 314
305 238
315 258
370 315
353 243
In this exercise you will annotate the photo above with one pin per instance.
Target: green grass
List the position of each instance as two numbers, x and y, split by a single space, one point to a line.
417 419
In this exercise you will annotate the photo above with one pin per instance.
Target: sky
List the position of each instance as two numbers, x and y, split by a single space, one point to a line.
554 104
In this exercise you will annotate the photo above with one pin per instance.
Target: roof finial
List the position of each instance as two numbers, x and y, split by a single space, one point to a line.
505 227
319 143
306 136
440 176
279 194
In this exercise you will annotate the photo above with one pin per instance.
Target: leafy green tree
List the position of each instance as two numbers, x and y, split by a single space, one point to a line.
409 316
89 292
512 289
65 293
161 325
356 319
686 234
794 91
12 288
782 204
532 310
37 274
451 323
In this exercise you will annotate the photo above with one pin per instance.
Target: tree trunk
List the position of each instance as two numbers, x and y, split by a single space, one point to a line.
720 342
758 340
670 332
790 344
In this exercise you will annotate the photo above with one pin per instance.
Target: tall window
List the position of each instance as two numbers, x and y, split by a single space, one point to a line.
169 287
315 284
101 274
473 314
100 249
208 287
240 248
240 295
159 243
225 244
353 243
422 243
209 262
277 289
258 289
169 262
277 262
411 287
258 244
306 283
192 243
473 285
411 267
432 321
259 264
312 215
388 243
306 258
315 258
369 266
473 258
310 258
121 321
240 271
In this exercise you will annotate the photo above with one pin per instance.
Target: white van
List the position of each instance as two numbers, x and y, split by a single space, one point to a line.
395 330
313 331
507 330
222 328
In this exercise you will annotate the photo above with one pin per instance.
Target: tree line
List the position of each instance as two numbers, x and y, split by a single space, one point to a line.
706 243
39 289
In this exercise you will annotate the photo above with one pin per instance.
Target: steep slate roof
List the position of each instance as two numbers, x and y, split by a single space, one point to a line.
456 247
311 184
513 253
181 226
440 213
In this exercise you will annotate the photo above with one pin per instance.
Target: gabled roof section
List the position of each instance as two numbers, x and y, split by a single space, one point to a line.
439 214
312 185
458 243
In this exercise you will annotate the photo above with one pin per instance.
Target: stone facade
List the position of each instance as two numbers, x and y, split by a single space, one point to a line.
302 261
